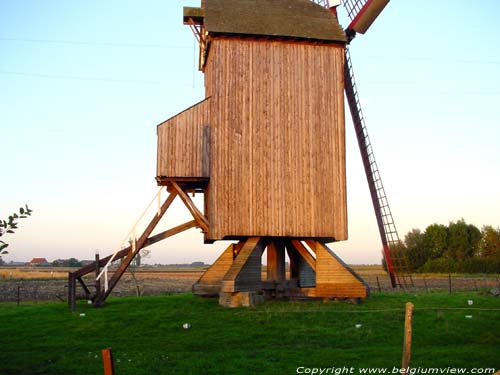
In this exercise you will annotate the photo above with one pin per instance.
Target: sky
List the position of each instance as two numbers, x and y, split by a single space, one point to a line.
83 85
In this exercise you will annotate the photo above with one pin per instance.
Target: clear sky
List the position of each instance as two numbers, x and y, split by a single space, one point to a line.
83 85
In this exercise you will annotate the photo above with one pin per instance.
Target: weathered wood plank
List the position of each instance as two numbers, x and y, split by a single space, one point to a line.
334 278
183 143
277 163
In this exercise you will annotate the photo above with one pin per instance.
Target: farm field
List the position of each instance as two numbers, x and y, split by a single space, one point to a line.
147 337
28 284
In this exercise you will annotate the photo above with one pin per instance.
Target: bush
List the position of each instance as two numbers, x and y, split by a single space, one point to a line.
439 265
471 265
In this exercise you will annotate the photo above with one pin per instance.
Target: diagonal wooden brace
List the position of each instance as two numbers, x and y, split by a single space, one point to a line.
197 215
141 242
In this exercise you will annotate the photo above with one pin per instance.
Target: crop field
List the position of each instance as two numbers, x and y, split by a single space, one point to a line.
26 284
147 335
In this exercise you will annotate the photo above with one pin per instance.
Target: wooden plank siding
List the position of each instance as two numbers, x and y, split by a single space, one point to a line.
183 143
277 165
334 278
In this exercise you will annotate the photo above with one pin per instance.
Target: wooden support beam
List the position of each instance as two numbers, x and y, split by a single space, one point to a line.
293 256
169 233
302 250
334 278
276 261
245 274
85 288
123 253
237 248
138 246
304 264
197 215
209 284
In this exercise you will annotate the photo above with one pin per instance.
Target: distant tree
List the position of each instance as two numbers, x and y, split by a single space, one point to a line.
416 254
463 240
435 240
489 246
72 262
474 237
11 224
144 253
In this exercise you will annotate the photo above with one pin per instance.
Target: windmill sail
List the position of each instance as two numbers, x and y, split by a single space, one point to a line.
396 264
363 13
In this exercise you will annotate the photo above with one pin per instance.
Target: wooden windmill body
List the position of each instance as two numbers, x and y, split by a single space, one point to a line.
266 147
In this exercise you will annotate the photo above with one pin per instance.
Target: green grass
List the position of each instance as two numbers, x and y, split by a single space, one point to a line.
147 337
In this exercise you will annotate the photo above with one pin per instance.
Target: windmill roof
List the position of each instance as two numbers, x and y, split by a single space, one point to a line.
281 18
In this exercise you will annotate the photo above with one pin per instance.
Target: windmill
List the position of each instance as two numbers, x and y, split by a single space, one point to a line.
266 149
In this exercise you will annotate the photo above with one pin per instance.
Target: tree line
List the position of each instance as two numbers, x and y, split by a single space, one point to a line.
457 248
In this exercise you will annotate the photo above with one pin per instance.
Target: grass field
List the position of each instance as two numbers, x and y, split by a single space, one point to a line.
147 337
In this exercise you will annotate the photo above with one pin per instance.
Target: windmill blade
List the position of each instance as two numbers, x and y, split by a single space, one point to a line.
363 13
396 263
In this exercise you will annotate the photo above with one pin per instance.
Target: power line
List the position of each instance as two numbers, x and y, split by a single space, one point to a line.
193 84
95 79
445 60
87 43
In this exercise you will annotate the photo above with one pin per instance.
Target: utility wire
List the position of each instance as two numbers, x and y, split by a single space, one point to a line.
96 79
445 60
87 43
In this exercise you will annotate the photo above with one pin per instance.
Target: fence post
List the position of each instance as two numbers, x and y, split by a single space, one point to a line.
107 361
378 284
97 281
407 338
18 295
71 291
425 284
449 283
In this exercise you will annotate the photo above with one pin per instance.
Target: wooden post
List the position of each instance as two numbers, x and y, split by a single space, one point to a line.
425 284
407 338
378 285
107 361
71 291
449 283
18 297
275 261
97 281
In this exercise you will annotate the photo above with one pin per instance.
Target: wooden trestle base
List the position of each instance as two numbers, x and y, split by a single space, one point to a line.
236 276
315 272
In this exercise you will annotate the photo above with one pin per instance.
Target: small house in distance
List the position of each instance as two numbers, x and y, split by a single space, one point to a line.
39 262
266 148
